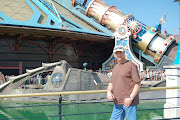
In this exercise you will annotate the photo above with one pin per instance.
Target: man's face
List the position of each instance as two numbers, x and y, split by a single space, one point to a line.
119 55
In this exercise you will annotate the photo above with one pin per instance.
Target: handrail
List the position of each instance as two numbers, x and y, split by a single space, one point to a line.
79 92
5 84
54 93
159 88
60 115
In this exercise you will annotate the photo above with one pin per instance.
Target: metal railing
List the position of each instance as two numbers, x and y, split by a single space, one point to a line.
60 104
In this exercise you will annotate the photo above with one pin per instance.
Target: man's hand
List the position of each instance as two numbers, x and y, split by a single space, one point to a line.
127 102
110 96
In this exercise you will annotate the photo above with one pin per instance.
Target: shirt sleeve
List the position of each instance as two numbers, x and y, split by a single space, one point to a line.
135 74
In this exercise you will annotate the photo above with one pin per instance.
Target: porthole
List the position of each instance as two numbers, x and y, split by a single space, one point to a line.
57 79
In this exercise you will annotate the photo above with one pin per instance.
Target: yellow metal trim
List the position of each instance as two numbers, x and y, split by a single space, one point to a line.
160 88
145 42
150 53
79 92
54 93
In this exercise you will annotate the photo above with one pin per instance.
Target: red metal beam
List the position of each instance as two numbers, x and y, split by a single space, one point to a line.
7 67
16 43
13 67
52 47
78 50
20 68
84 45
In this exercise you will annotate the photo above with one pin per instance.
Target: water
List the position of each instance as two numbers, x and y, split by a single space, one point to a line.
21 112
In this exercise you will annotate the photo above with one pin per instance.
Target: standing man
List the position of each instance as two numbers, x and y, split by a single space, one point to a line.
124 87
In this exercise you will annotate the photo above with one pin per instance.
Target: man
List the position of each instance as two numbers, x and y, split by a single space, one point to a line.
124 87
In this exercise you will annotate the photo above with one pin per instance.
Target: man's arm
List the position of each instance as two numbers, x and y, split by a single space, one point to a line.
110 95
128 101
135 90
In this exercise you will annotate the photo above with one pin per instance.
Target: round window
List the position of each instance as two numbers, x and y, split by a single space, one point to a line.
57 79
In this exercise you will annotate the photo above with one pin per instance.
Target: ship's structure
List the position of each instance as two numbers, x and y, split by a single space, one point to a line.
135 36
44 31
62 78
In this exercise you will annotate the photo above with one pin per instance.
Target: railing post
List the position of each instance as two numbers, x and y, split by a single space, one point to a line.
60 101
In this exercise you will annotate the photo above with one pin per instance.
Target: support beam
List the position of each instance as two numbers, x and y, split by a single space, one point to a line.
78 49
17 44
14 67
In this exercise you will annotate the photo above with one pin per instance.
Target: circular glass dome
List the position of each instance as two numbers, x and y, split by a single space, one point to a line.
57 79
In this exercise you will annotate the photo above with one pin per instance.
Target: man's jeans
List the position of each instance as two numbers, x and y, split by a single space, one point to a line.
120 111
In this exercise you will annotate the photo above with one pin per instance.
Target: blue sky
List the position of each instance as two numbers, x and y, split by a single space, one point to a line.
150 12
